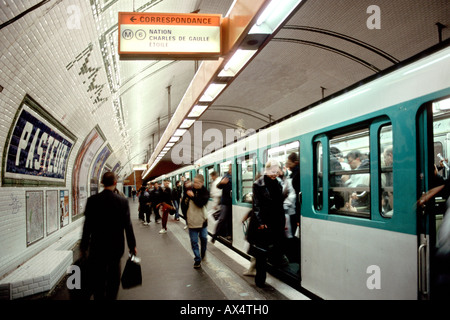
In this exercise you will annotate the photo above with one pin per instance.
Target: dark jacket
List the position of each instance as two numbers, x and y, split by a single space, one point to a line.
166 196
107 216
226 191
176 193
156 196
267 210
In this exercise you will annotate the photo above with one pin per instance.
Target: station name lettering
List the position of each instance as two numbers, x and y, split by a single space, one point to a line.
44 153
37 150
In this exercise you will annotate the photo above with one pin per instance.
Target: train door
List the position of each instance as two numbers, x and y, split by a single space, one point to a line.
434 134
288 156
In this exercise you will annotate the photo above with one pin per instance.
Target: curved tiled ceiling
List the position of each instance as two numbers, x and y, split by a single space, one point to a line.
325 47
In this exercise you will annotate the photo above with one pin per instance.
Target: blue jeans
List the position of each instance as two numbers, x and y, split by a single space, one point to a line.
194 234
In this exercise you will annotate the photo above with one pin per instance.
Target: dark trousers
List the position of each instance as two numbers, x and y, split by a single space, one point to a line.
156 212
260 266
105 278
224 226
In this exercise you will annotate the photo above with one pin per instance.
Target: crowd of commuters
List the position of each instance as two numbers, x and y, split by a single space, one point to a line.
274 217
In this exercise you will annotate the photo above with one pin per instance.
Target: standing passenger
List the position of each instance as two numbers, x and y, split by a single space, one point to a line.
198 198
155 198
176 196
165 204
187 185
107 216
266 230
293 164
216 195
224 226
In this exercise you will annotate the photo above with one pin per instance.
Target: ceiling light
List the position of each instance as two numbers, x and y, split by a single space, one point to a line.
275 13
197 111
179 132
174 139
212 92
237 62
187 123
170 144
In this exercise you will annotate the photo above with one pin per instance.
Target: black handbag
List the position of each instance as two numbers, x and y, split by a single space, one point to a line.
132 274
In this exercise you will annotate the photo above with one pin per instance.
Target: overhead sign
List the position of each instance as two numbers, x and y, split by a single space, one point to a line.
169 35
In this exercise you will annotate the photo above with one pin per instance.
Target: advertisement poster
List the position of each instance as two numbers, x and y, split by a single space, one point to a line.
64 207
97 168
80 177
52 211
34 216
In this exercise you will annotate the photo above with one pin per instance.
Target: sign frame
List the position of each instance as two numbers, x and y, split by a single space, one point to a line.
168 30
37 112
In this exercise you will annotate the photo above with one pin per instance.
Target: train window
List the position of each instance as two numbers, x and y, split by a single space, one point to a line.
246 168
281 153
386 161
349 174
208 172
318 201
224 167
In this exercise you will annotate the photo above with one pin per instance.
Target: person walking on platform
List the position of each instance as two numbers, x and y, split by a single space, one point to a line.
144 205
176 196
155 199
107 217
267 223
197 220
166 205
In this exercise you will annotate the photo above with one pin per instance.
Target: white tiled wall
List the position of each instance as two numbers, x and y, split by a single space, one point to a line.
34 53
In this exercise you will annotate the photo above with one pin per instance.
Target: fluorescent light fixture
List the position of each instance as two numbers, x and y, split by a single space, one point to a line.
275 13
212 92
187 123
179 132
197 111
139 167
237 62
174 139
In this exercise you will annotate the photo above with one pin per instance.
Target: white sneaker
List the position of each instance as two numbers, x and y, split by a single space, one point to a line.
163 231
185 227
146 223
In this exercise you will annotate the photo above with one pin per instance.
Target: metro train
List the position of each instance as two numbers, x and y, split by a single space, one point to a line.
361 234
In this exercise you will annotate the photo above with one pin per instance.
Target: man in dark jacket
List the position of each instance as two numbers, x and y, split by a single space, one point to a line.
155 199
107 216
266 230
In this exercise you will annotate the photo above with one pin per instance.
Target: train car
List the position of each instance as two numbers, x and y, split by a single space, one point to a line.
366 157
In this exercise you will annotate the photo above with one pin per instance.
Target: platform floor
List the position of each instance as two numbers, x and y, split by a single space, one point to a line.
168 273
